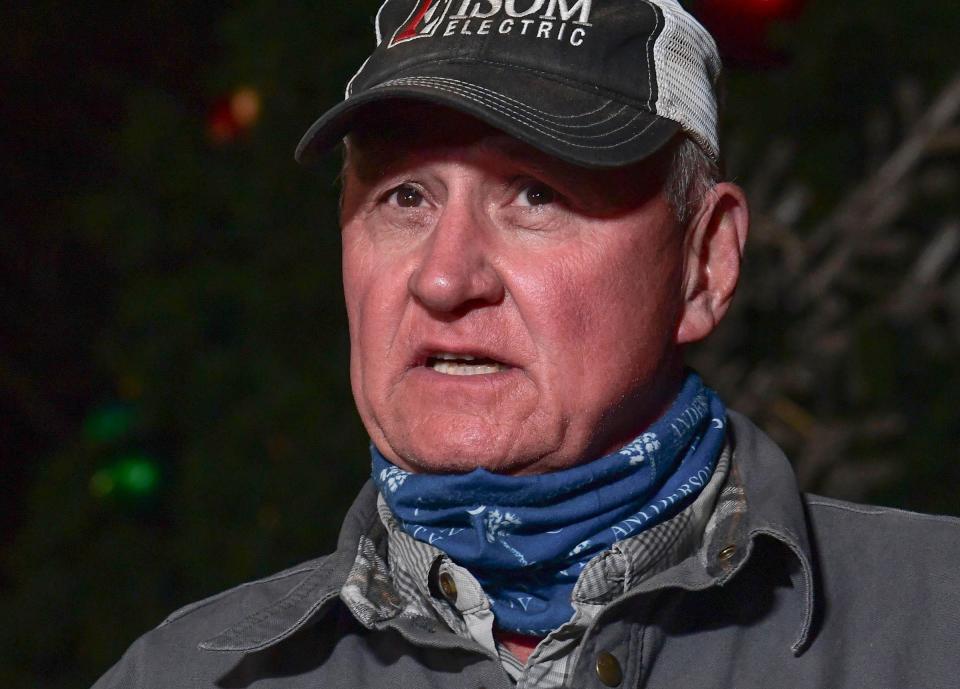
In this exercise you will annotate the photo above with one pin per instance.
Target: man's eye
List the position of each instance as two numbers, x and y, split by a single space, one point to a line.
536 194
406 196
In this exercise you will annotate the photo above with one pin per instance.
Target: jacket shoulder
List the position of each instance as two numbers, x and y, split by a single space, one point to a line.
874 521
885 553
884 576
170 652
202 642
233 600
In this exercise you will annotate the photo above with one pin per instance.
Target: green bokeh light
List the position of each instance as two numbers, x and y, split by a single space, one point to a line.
132 476
137 475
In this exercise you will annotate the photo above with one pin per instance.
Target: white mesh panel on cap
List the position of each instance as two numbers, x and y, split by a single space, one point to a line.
687 66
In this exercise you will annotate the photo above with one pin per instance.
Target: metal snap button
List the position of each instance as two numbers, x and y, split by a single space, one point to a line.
448 586
727 553
608 669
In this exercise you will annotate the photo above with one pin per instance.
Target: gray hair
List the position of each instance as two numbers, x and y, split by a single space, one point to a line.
692 173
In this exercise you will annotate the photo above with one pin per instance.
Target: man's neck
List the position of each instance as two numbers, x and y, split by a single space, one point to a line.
520 645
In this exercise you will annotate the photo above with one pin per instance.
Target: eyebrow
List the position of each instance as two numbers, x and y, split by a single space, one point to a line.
375 153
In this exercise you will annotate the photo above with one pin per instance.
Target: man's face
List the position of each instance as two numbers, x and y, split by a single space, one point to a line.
507 310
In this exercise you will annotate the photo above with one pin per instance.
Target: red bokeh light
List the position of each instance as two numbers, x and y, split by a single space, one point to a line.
741 27
762 10
233 115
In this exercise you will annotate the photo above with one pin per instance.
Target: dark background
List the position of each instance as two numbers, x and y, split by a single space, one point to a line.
175 414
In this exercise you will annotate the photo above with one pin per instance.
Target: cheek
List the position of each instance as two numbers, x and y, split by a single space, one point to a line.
356 280
355 286
367 288
369 279
611 300
646 299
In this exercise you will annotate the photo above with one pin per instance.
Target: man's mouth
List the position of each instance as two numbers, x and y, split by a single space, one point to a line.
463 364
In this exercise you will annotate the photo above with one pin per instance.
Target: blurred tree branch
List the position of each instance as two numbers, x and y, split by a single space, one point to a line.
829 285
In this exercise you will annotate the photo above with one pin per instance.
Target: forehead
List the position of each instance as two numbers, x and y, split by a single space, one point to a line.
404 134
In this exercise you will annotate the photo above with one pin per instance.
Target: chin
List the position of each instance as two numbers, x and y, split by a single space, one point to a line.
442 451
452 457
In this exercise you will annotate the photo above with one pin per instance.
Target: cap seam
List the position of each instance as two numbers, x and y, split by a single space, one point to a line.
579 86
651 71
486 95
538 127
521 104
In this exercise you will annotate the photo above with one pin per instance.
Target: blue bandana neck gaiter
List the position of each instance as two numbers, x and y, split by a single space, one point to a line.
527 538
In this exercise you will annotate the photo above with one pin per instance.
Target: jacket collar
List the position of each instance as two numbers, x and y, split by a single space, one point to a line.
770 506
760 499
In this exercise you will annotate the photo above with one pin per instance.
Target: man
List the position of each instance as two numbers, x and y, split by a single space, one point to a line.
533 230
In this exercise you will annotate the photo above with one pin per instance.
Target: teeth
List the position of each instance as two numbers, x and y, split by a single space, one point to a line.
452 364
458 369
447 356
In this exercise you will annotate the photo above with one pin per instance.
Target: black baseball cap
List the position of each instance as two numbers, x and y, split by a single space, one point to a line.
599 83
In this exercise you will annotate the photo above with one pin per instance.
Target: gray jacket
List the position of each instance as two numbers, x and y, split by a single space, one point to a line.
798 591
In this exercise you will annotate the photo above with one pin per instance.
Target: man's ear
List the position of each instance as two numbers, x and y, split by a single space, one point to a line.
713 251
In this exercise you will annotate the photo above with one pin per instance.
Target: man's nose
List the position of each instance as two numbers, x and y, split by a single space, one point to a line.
454 271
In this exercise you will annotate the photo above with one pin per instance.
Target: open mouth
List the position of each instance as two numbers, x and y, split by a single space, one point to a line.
463 364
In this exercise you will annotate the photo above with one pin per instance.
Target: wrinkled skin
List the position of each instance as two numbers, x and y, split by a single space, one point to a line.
578 283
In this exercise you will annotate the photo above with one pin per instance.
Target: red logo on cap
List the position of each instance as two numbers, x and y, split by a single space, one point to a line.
422 22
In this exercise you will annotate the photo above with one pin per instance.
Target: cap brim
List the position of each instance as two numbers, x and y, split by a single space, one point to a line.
584 128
